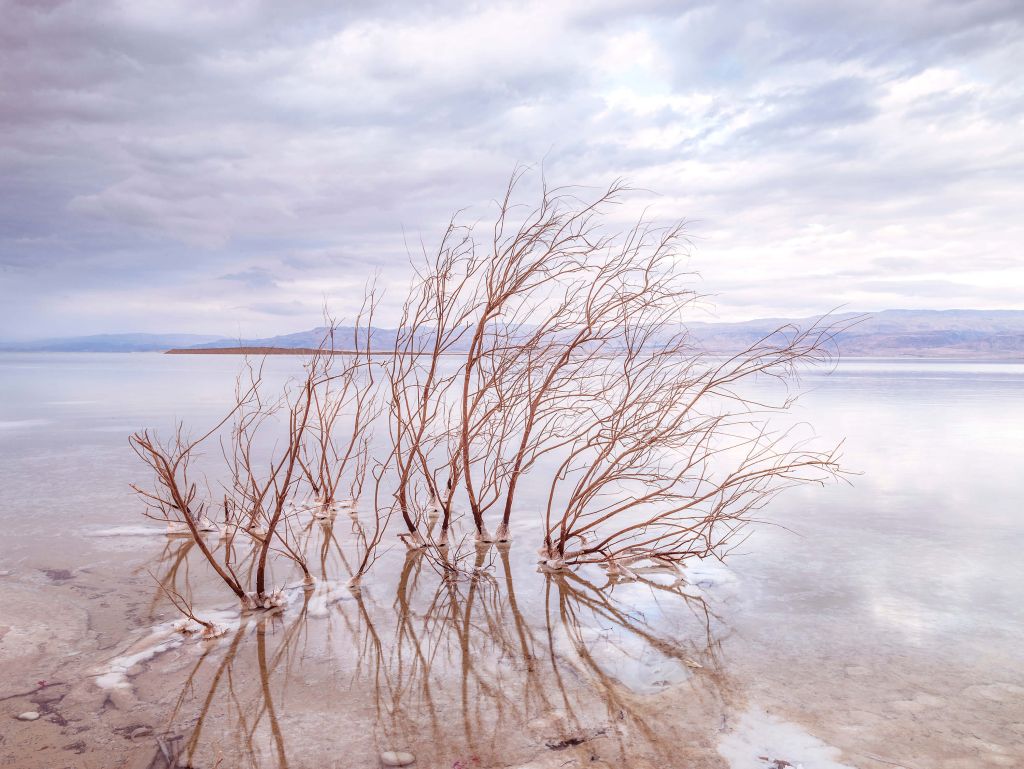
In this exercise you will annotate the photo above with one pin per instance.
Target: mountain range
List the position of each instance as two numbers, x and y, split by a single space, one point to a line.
109 343
969 334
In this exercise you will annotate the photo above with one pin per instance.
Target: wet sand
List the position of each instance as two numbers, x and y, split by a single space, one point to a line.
514 669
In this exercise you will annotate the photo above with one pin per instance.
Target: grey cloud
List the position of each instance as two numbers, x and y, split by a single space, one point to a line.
258 157
252 277
283 309
803 114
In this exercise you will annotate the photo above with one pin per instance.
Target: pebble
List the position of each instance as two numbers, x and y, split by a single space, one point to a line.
396 758
29 715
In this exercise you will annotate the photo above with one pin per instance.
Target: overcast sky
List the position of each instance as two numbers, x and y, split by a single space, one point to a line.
225 167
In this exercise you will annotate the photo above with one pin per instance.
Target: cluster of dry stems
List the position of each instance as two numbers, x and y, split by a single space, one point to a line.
555 350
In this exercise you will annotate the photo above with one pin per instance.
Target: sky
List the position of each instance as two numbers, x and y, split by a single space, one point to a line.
227 168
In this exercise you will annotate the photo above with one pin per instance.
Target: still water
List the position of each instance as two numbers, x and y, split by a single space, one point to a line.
878 624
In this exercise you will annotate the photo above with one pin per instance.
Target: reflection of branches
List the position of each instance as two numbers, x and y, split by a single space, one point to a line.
576 593
577 596
268 701
249 710
445 646
173 558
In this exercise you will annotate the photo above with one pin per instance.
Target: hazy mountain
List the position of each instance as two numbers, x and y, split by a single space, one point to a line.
997 334
896 333
891 333
344 337
109 343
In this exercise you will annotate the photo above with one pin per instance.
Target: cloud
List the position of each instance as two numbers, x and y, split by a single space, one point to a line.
252 278
182 165
293 308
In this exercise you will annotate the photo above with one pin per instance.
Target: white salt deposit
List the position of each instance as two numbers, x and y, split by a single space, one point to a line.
709 575
324 596
117 671
162 638
757 740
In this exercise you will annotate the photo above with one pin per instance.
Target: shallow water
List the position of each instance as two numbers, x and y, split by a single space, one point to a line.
879 625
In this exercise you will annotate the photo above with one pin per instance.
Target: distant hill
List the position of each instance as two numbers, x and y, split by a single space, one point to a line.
109 343
965 334
997 334
344 339
973 334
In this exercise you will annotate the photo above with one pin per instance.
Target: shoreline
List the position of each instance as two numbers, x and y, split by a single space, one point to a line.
910 356
285 351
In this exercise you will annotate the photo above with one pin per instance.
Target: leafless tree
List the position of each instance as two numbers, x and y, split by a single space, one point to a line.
578 352
345 406
434 320
175 489
556 348
533 257
677 458
265 476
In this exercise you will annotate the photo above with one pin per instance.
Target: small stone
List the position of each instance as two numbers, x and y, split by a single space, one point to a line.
28 715
396 758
